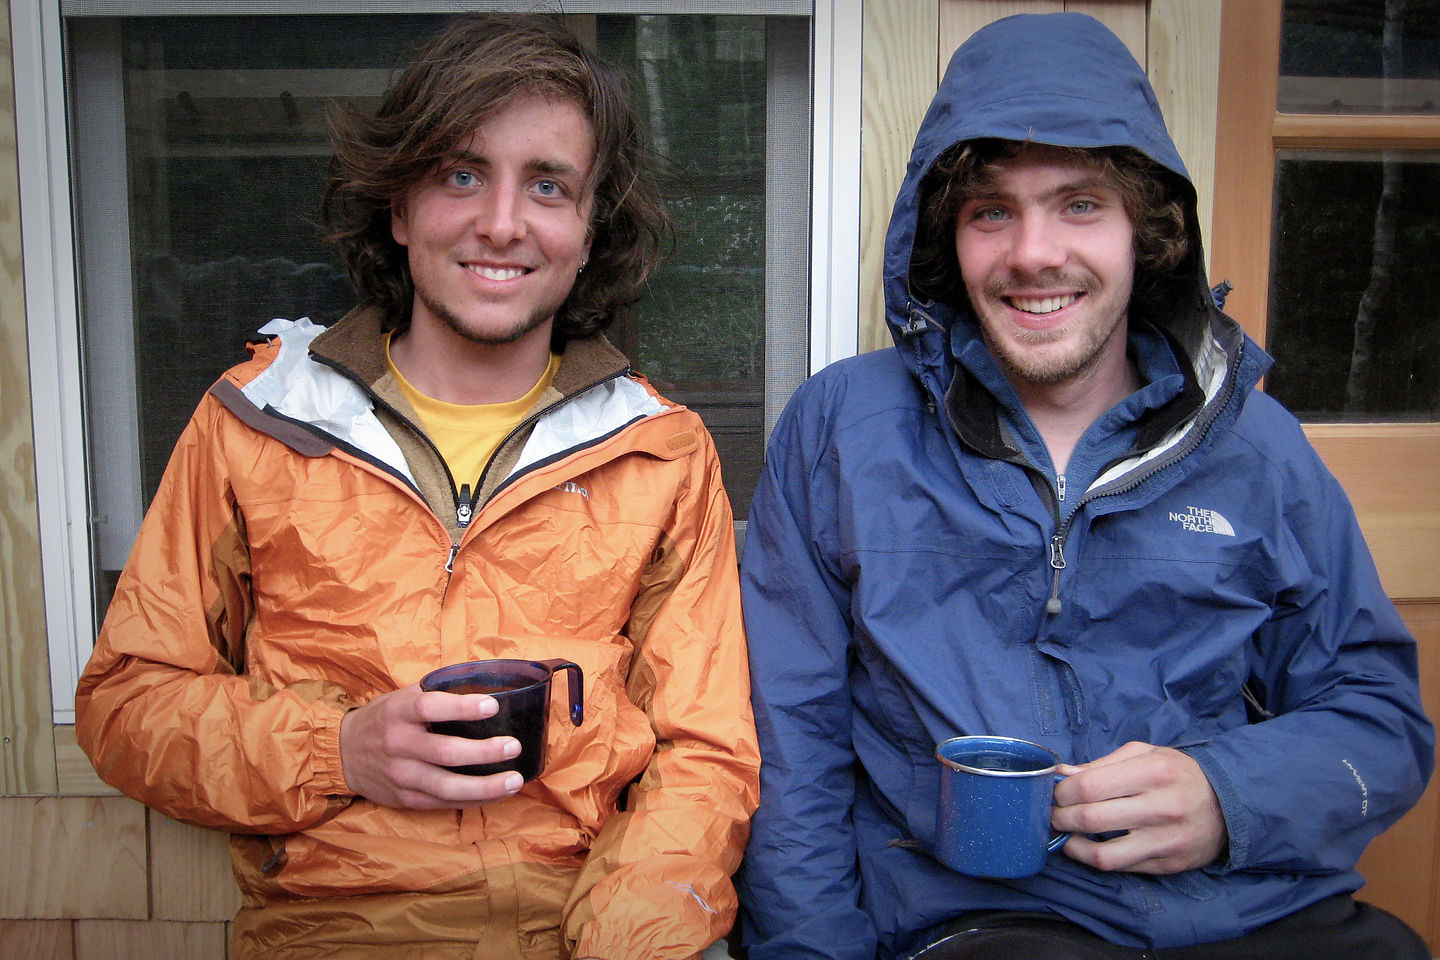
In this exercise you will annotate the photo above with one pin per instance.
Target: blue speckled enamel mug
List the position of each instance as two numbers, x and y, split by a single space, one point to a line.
995 800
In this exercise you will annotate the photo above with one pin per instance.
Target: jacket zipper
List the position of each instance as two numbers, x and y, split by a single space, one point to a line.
466 503
464 499
1197 432
380 401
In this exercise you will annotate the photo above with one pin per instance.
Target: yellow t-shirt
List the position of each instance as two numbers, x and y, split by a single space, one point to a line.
468 433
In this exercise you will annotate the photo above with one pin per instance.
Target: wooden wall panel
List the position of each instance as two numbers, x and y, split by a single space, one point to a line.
37 940
27 763
1249 62
1127 18
72 857
1184 68
898 81
1402 865
152 940
73 773
960 18
1388 473
190 876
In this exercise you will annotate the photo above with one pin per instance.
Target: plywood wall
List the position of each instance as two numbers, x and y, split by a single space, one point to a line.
27 762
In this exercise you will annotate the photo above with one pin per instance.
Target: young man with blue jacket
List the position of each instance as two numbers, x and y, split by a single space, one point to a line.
1059 510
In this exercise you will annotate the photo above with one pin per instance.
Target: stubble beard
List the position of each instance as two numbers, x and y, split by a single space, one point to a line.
1016 356
486 338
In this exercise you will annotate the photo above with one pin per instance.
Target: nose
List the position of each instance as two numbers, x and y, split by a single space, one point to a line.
1035 244
498 216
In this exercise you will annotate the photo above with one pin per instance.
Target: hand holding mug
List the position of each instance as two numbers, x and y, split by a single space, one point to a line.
389 755
1158 796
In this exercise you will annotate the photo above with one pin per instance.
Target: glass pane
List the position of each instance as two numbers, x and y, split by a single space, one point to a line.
1355 296
699 334
201 154
1339 56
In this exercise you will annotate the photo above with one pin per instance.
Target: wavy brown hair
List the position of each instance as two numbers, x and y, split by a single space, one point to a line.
1152 197
457 80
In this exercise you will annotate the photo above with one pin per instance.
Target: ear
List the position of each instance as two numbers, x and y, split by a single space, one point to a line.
399 225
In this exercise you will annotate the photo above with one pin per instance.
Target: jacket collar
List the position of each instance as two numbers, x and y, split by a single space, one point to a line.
355 346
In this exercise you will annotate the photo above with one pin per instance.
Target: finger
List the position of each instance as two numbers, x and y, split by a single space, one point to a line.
1108 816
447 751
435 788
1127 751
435 706
1140 851
1113 777
458 789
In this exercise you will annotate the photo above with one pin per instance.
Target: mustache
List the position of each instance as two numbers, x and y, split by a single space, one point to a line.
1045 279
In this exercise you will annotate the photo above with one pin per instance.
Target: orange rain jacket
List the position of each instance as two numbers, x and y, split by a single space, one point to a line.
306 552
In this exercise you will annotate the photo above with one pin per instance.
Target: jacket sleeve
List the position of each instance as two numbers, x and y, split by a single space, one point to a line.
656 884
1348 749
799 885
162 708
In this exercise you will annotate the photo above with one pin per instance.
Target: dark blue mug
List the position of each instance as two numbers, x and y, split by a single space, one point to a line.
521 689
995 800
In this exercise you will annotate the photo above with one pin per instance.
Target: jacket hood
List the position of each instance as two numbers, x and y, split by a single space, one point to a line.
1061 79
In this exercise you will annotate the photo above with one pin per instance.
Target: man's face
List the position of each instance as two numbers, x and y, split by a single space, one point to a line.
1047 256
498 231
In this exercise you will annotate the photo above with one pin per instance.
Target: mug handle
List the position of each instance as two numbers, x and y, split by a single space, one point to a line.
577 684
1059 840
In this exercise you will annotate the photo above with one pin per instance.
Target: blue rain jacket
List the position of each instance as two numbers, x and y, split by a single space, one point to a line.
904 545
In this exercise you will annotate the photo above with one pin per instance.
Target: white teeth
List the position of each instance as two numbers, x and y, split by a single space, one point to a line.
497 273
1042 304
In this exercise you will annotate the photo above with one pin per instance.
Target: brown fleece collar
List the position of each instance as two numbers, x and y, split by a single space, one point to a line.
356 345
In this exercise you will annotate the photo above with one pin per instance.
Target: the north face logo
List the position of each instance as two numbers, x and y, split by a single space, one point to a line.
570 487
1200 520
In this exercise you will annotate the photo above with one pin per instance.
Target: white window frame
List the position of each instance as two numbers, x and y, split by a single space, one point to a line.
50 254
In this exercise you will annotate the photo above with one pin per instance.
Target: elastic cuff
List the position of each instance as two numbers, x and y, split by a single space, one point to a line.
327 768
1237 837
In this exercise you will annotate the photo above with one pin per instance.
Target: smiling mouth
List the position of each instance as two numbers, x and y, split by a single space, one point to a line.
1042 305
496 273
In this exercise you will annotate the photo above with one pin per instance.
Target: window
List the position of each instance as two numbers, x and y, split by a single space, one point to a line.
1356 231
194 162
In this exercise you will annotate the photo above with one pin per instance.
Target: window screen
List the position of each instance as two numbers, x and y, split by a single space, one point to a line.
200 152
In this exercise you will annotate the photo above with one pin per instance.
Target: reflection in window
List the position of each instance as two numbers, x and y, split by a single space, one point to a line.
1339 56
201 155
1355 297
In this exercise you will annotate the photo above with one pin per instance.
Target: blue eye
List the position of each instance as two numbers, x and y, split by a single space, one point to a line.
463 178
547 188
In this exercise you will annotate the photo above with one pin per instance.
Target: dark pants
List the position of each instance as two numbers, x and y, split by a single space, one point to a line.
1335 928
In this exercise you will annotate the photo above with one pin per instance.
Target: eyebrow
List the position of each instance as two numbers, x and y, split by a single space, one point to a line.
538 164
1081 185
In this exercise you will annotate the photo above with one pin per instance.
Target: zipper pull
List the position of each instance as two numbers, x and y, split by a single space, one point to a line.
1060 487
1057 563
450 560
1057 552
462 506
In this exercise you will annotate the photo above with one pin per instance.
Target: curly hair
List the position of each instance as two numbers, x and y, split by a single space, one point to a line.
1151 195
465 74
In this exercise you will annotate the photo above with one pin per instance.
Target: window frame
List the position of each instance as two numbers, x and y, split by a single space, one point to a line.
52 259
1251 132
